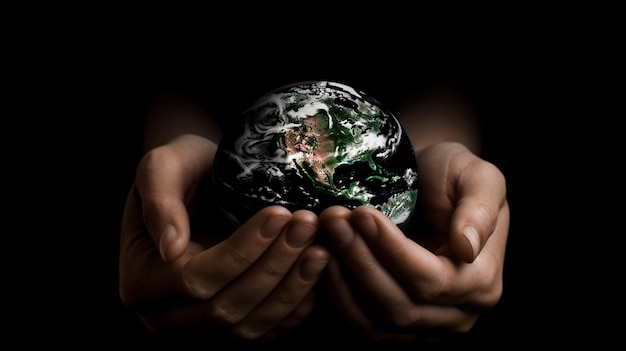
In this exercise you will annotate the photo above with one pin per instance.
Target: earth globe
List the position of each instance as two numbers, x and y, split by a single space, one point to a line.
314 144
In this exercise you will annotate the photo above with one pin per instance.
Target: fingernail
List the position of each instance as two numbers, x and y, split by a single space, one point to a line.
273 225
341 231
311 270
168 234
367 225
300 234
472 236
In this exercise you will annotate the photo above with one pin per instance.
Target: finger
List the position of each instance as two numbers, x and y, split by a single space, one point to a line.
169 293
375 283
299 314
166 176
461 195
286 307
428 277
291 301
259 281
211 270
476 213
374 249
347 305
427 318
144 278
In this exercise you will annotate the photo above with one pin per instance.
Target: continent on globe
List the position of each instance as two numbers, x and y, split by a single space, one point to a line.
311 145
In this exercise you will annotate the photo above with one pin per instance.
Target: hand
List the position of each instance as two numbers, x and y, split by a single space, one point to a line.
180 267
439 277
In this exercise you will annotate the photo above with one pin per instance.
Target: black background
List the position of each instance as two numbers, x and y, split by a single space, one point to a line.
92 92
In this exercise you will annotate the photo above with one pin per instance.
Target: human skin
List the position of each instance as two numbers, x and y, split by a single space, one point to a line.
440 276
426 281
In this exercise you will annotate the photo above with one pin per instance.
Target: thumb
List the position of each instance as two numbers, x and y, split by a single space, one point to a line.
476 214
167 221
167 177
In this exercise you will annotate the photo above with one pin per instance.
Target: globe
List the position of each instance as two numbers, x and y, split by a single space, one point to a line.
314 144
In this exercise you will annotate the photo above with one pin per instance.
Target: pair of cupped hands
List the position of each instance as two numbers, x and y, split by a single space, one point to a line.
263 279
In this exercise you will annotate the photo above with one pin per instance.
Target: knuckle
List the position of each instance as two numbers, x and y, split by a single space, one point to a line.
287 298
401 318
490 297
241 259
435 289
221 315
275 270
462 327
156 158
195 287
152 204
485 212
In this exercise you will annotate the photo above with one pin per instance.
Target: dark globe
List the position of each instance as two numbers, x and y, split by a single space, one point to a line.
310 145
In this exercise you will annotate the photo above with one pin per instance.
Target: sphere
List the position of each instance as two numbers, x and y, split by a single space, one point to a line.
311 145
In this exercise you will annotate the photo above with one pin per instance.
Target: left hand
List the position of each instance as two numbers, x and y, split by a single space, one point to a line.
443 273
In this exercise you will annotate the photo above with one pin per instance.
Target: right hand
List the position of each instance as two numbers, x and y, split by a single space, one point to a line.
257 281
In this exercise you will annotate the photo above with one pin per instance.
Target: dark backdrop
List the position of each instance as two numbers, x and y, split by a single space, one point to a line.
516 86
